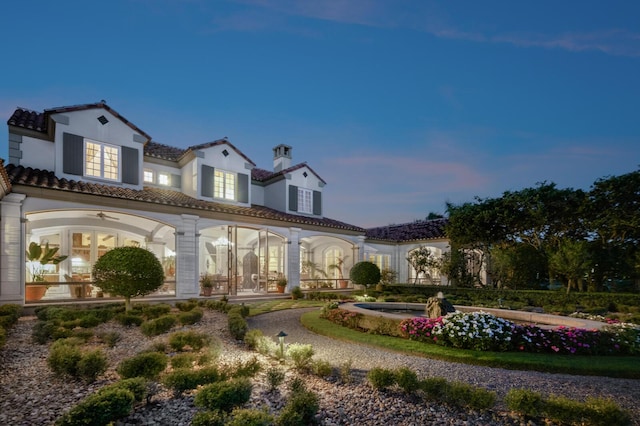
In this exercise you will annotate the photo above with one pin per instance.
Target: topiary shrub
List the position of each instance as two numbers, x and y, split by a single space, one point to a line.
64 356
91 365
365 273
158 326
147 364
128 272
407 379
224 396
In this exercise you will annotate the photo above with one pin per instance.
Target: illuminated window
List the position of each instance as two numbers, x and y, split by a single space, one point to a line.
101 160
305 200
224 185
163 178
148 176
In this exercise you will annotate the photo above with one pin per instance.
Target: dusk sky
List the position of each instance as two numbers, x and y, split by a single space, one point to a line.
399 105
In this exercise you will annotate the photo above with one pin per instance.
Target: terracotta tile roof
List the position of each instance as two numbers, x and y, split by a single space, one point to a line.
28 119
5 184
414 231
38 121
20 175
166 152
263 175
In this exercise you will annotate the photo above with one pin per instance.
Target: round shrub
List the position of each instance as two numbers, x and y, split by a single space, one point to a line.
301 355
156 311
101 408
190 317
147 364
136 385
196 341
381 378
300 409
249 417
91 365
158 326
275 377
365 273
407 379
184 379
63 357
129 318
208 418
186 306
296 293
184 360
237 325
224 396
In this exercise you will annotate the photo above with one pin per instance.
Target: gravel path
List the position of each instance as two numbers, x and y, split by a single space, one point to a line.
626 392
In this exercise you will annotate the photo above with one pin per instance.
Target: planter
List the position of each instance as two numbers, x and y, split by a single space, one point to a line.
206 291
280 289
343 283
34 292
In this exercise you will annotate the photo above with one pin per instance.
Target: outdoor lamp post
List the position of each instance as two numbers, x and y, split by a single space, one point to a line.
281 337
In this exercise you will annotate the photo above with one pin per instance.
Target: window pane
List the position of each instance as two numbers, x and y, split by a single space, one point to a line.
110 162
218 184
163 179
148 176
304 200
93 159
230 187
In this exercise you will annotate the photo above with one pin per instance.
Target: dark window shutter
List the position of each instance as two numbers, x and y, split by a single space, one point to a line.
207 181
72 154
243 188
293 198
130 173
317 203
176 181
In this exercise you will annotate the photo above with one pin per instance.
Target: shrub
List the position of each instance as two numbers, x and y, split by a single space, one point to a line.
185 360
301 355
186 306
110 338
300 409
147 364
251 338
275 377
3 336
322 368
345 372
365 273
524 401
407 379
190 317
249 417
91 365
465 395
247 368
237 325
242 310
100 408
605 412
381 378
136 385
64 356
158 326
296 385
181 339
9 314
208 418
210 354
184 379
129 318
296 293
128 272
224 396
48 330
155 310
434 387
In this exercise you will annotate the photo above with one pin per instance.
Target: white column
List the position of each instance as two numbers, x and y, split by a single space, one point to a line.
293 258
12 261
187 257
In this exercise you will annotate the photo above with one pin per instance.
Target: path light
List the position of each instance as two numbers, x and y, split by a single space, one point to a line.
281 337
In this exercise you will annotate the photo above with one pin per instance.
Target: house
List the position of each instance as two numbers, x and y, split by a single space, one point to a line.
84 179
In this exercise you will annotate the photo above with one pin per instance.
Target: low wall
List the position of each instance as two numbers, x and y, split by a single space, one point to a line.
366 308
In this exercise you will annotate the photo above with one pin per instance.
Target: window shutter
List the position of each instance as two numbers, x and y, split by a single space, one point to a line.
293 198
130 172
176 181
207 181
72 154
317 203
243 188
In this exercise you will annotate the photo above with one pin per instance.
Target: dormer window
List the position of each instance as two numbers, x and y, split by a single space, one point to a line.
305 200
101 160
224 185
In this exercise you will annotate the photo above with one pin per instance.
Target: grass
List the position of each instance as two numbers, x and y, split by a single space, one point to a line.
257 308
610 366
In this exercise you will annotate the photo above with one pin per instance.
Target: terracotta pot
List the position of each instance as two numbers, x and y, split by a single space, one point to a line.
344 283
206 291
280 289
34 292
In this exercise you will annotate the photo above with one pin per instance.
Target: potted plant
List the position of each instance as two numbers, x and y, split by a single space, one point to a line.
281 284
37 257
206 283
338 267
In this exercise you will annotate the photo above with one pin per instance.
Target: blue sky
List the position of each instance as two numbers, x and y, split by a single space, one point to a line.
400 105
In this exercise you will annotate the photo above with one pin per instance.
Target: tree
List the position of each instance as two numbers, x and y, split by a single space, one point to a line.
365 273
422 260
128 272
571 260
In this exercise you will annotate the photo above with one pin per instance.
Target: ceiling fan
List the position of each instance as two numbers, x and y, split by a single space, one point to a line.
103 216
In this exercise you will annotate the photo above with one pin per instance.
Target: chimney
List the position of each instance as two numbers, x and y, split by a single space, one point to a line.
281 157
